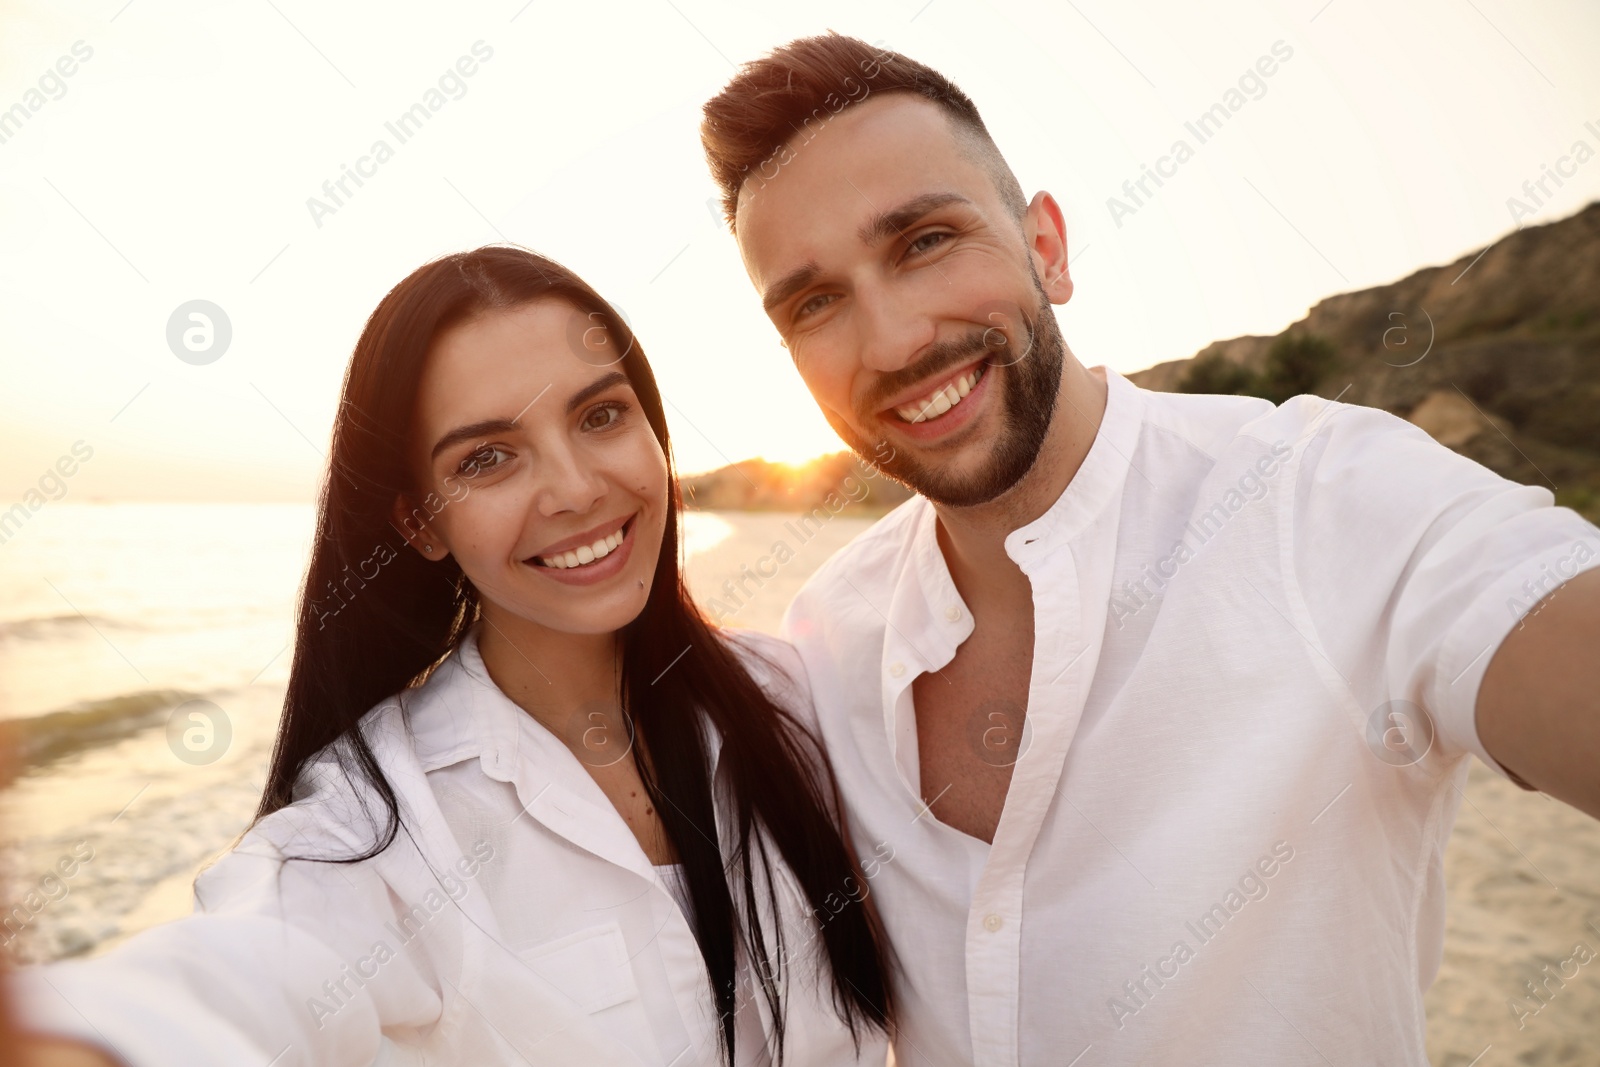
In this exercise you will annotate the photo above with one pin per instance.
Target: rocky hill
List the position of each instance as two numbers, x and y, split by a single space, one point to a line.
1497 355
838 482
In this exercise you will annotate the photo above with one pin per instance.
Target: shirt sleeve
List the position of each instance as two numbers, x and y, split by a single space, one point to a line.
776 666
280 963
1415 562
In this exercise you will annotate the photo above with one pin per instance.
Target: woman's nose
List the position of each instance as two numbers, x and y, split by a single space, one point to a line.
567 483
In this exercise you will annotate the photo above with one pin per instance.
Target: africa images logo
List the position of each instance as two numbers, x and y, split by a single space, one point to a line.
1205 126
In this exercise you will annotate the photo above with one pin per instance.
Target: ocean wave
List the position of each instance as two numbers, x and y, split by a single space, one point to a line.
45 627
166 620
41 739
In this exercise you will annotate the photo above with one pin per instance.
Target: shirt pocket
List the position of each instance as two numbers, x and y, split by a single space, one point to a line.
589 966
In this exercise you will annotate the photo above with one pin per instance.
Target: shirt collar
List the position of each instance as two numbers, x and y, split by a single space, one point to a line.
925 600
462 714
454 715
1097 482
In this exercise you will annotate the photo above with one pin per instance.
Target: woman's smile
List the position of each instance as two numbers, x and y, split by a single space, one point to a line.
590 557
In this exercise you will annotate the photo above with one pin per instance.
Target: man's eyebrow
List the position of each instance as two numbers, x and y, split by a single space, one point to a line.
897 220
882 225
485 427
788 285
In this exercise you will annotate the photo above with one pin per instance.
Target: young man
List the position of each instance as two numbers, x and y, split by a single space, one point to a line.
1152 712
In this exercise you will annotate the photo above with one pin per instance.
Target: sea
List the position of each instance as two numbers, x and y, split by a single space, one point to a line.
144 653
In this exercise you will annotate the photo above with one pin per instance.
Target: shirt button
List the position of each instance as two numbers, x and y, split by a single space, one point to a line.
897 669
992 923
952 613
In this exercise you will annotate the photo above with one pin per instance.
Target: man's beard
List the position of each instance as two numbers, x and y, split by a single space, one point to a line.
1031 382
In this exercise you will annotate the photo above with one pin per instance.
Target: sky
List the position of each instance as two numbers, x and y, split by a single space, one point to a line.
178 159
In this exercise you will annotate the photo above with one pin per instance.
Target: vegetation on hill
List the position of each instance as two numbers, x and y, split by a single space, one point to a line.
1295 364
1497 355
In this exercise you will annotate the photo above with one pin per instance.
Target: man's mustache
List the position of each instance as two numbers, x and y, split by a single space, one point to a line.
945 355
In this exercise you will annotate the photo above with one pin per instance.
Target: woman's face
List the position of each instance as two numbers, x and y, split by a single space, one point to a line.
539 471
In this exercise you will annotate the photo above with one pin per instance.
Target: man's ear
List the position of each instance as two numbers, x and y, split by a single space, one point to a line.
420 536
1046 230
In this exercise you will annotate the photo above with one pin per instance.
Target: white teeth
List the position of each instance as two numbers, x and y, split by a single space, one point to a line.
941 400
605 546
585 554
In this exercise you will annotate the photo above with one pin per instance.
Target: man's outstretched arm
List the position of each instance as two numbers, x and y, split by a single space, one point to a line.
1538 710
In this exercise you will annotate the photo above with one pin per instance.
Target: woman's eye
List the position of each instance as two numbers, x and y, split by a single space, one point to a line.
484 459
603 416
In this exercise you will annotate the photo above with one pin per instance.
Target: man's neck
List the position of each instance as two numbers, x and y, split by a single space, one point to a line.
973 539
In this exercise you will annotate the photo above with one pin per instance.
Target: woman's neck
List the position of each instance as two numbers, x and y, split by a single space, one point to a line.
558 678
568 683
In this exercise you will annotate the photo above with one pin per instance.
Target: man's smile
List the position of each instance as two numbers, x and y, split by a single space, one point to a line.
942 398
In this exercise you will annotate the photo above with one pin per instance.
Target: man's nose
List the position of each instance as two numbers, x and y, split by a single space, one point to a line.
892 329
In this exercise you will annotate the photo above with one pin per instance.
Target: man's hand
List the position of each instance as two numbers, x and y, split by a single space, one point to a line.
1539 703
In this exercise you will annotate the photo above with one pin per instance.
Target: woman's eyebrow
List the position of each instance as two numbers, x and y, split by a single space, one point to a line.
471 431
595 388
485 427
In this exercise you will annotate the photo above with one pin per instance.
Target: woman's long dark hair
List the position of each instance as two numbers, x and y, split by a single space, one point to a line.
361 640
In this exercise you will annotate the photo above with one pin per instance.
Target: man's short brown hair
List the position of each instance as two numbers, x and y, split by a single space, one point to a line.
755 124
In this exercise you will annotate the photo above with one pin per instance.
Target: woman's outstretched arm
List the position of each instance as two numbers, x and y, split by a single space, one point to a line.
279 964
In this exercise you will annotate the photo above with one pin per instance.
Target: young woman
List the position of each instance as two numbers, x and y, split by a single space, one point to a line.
527 805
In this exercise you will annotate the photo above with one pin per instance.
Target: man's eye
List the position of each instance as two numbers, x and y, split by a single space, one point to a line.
604 416
813 305
484 459
927 242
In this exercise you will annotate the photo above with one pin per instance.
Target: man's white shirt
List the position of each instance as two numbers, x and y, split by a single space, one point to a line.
1223 839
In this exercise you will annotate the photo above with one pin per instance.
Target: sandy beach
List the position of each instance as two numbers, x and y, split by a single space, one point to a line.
1523 870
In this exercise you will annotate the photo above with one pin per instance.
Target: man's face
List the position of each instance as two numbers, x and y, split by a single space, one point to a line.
910 298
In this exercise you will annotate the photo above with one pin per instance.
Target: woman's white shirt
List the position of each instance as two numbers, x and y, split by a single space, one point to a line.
514 919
